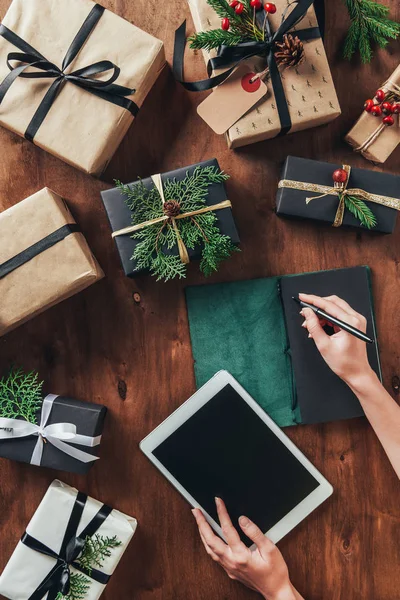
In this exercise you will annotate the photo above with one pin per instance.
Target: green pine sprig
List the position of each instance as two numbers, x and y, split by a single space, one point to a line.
79 587
20 395
199 230
370 24
214 38
361 211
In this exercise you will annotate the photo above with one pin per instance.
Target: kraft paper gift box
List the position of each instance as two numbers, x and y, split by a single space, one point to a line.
44 258
370 136
309 89
28 568
303 172
82 128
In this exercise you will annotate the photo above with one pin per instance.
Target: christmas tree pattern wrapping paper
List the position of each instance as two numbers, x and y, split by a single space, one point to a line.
369 135
309 89
81 128
28 568
291 199
44 259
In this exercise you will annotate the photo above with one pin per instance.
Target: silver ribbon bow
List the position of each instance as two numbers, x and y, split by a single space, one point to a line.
59 435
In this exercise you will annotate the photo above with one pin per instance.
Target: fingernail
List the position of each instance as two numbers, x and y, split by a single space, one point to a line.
309 335
304 324
217 500
244 521
301 312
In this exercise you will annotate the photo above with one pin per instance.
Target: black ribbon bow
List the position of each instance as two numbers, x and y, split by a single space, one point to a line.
234 55
45 69
58 579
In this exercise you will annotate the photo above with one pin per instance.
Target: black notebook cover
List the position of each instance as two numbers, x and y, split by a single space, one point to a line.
322 395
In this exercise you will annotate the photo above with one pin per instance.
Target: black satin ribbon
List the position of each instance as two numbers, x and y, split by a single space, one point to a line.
29 57
234 55
58 579
40 246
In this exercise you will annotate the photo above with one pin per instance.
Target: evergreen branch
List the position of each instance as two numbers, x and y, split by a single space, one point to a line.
361 211
20 395
370 23
96 550
214 38
79 587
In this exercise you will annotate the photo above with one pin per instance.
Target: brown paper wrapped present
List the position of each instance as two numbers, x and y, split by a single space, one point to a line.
85 122
309 89
43 258
369 136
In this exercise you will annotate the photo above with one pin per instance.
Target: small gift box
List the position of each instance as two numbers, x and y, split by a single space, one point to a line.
299 97
70 548
161 223
79 74
338 195
55 431
43 258
376 136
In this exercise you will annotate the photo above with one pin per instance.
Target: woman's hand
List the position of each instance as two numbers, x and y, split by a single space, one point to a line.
263 569
345 354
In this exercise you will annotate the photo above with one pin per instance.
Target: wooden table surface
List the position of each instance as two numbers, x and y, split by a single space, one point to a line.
125 343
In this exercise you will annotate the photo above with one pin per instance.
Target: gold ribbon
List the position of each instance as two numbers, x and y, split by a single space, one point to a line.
341 190
183 253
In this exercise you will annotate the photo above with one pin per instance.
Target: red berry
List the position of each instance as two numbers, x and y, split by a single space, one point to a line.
270 8
387 108
256 4
239 8
339 176
380 95
376 110
388 120
234 3
225 24
368 104
396 109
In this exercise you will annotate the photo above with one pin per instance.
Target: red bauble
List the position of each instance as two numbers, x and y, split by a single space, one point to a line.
225 24
257 4
339 176
234 3
380 95
270 8
388 120
376 111
239 8
387 108
396 109
368 104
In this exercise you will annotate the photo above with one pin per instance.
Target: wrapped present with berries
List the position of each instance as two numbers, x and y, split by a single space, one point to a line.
163 222
338 195
52 431
73 76
377 132
69 550
281 45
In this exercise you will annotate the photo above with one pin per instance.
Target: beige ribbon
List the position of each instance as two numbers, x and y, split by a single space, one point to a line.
340 190
183 253
388 86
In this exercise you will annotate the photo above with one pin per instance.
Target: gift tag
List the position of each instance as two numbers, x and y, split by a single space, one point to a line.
232 99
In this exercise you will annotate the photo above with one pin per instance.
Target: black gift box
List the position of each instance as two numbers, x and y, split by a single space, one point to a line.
89 420
120 215
292 203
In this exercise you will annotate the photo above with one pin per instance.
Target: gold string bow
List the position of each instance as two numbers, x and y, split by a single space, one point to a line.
183 253
341 190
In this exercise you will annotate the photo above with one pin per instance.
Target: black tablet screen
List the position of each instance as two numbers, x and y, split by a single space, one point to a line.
226 450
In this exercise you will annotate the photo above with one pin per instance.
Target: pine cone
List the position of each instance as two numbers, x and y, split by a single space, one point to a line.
172 208
290 52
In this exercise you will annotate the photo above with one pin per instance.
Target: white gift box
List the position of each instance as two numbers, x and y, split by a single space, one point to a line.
27 568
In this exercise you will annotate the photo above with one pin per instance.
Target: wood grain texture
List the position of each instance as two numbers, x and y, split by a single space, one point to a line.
126 343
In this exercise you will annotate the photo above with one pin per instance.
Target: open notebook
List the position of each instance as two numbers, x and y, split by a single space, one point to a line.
253 330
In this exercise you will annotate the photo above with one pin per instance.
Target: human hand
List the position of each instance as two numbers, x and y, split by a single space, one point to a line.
263 569
345 354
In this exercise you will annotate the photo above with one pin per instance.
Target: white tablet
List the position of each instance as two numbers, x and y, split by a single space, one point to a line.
221 443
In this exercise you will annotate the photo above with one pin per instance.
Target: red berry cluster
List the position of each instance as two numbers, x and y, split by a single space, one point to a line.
382 106
238 7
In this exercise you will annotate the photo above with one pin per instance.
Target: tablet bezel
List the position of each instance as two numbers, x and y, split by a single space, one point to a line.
190 407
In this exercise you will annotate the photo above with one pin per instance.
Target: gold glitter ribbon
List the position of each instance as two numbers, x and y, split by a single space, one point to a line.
183 253
341 190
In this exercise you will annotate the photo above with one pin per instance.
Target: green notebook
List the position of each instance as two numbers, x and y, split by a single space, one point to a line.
252 329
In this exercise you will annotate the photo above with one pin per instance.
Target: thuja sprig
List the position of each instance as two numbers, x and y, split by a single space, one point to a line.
156 240
20 395
80 585
370 24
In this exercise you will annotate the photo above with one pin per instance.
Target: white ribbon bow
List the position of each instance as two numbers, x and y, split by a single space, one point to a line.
59 435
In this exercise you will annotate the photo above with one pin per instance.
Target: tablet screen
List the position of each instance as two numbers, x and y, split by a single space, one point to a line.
226 450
